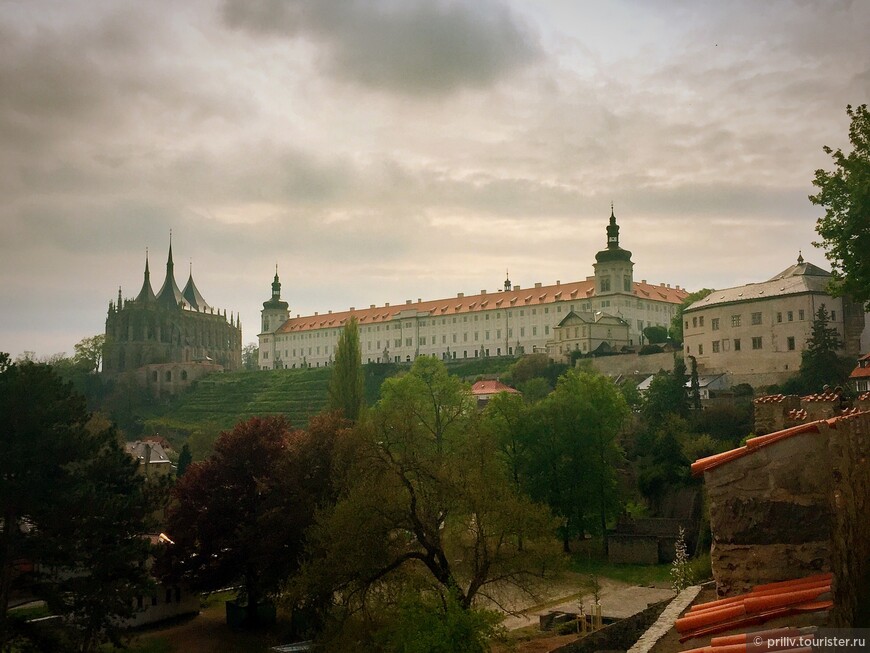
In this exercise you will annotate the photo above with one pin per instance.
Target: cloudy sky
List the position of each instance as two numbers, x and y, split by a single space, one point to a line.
384 150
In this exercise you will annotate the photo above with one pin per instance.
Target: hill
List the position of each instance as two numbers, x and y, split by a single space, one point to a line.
219 401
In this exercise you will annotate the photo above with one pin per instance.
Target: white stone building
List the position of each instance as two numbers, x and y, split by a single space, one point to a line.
756 333
506 322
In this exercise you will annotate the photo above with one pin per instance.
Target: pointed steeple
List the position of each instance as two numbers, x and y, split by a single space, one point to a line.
192 295
146 295
800 257
170 296
275 301
507 281
613 252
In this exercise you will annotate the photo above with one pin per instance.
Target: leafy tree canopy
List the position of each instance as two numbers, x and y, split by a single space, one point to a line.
821 364
844 193
346 390
655 334
425 502
241 514
70 500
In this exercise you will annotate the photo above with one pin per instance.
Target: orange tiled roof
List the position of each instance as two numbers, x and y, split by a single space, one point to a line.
822 396
710 462
544 295
860 373
797 414
762 603
491 387
769 399
864 396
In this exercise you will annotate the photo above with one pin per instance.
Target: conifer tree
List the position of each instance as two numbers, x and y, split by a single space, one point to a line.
346 384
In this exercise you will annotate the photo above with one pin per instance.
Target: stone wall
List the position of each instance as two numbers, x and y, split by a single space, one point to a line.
772 411
619 636
794 506
633 549
768 514
849 500
628 364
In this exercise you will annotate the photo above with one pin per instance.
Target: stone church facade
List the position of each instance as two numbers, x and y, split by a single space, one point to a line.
173 332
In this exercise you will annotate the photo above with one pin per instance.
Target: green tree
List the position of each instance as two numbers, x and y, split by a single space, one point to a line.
655 334
676 330
664 466
89 353
845 195
184 460
820 363
695 384
251 357
71 501
346 390
425 503
667 394
572 452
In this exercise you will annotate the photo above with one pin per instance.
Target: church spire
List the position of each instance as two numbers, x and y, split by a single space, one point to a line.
507 281
800 257
170 296
192 295
275 301
146 295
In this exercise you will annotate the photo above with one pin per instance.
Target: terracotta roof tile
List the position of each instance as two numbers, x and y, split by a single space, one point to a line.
860 373
822 396
491 387
545 295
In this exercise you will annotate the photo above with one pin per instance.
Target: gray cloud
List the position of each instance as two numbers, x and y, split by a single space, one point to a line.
411 47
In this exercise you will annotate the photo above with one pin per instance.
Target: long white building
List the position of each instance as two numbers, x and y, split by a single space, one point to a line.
505 322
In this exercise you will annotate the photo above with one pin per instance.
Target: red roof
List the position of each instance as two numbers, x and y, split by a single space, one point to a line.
860 373
710 462
761 604
491 388
561 292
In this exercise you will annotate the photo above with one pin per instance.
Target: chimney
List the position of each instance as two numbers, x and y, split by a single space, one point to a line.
419 301
460 295
352 308
643 281
516 287
537 284
407 301
387 305
558 282
483 292
329 312
315 313
371 305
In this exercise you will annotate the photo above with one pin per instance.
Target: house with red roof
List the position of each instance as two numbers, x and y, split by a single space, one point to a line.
860 376
484 390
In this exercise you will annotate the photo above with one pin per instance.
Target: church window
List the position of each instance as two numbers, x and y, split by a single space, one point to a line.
605 284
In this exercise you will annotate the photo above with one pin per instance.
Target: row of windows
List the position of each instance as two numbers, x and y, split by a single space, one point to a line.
757 342
170 592
755 318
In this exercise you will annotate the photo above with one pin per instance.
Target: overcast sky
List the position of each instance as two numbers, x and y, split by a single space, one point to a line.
385 150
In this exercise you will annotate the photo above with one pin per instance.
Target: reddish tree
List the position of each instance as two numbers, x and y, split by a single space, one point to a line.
241 515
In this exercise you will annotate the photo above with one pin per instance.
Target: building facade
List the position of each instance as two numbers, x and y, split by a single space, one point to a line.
173 326
757 332
507 322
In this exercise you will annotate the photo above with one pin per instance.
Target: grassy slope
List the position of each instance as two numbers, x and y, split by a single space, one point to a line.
222 400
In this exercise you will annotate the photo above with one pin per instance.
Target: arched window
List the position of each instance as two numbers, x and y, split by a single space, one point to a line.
184 375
